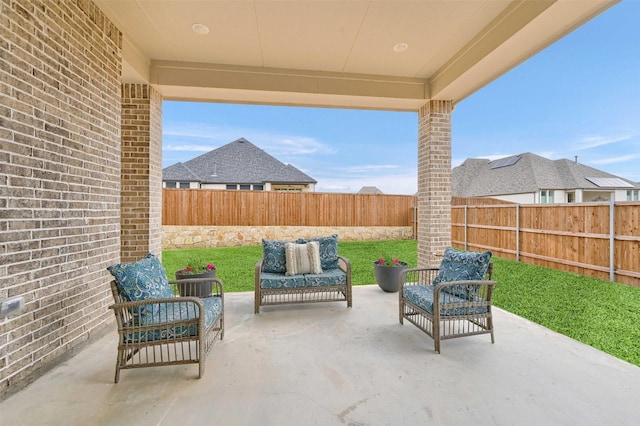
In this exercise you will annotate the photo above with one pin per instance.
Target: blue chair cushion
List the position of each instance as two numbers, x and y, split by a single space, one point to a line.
329 277
328 250
141 280
422 296
280 280
462 266
166 313
273 255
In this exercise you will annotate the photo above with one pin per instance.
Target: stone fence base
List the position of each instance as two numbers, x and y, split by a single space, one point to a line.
179 237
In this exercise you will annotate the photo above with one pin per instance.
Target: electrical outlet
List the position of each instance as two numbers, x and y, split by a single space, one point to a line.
12 306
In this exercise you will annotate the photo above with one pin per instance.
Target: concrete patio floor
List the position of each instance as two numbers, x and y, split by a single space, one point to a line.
326 364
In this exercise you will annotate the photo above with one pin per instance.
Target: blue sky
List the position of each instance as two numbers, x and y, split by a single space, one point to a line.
579 97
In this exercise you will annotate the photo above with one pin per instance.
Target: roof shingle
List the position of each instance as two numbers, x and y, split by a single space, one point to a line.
531 173
239 161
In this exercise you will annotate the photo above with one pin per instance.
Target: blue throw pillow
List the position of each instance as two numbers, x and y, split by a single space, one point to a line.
141 280
273 255
462 266
328 250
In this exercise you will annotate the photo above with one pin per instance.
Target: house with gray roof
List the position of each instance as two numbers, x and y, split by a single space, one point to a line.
369 190
239 165
531 179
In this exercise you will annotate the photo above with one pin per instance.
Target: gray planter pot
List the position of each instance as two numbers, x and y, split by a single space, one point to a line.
388 277
202 289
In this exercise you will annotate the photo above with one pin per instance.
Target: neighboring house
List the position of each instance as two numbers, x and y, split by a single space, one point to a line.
369 190
237 165
531 179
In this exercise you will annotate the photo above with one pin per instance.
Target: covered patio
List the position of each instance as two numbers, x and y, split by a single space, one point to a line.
82 84
326 364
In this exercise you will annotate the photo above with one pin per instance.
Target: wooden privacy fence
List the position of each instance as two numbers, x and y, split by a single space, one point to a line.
594 239
193 207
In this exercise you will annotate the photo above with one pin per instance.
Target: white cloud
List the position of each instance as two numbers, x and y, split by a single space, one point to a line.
292 145
597 141
619 159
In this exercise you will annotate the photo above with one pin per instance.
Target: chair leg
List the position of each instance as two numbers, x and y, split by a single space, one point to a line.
116 379
436 334
201 367
490 325
222 326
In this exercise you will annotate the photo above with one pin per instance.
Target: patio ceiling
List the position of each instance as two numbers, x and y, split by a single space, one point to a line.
335 53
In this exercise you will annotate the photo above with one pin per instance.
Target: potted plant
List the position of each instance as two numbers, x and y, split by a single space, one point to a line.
196 268
387 272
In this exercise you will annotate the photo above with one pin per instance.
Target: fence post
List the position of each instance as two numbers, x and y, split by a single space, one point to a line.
466 227
517 232
612 240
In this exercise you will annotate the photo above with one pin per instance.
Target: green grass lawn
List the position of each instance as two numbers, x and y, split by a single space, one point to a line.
600 313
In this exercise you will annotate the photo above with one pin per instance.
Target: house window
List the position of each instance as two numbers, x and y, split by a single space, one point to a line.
632 195
246 187
292 188
184 185
571 197
170 185
546 197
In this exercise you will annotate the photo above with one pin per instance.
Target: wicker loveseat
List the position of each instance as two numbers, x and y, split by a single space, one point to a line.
157 328
451 301
278 281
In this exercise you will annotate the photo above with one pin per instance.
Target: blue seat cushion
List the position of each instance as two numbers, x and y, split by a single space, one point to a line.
462 266
422 296
280 280
328 250
142 280
166 313
330 277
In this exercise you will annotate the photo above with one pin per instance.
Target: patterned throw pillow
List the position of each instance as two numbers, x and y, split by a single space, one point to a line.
328 250
303 258
273 256
462 266
141 280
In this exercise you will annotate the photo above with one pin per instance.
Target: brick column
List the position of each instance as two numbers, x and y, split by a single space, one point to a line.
141 208
434 180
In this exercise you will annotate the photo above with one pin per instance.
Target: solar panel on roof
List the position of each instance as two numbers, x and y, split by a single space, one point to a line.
609 182
504 162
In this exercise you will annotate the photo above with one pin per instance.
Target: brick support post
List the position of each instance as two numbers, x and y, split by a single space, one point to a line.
434 180
141 220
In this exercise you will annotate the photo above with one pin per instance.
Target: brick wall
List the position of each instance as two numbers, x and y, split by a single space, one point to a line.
141 172
434 180
60 181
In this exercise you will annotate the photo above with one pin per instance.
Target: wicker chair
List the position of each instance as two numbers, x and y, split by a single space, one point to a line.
165 329
448 309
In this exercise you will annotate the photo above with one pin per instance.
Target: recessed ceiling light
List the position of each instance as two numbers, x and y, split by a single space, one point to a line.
400 47
200 29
